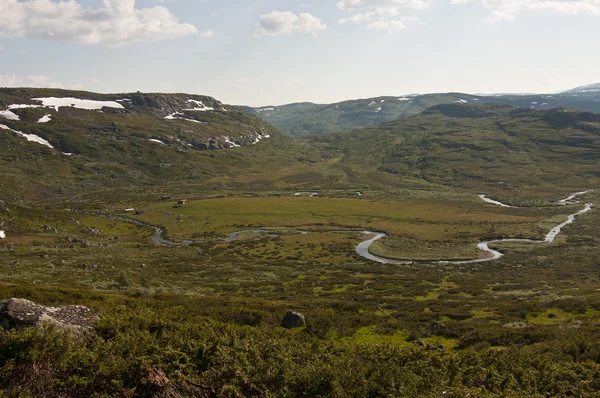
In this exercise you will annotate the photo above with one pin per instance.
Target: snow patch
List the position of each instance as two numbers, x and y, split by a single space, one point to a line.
2 235
176 116
45 119
461 101
378 110
372 103
23 106
199 106
404 99
90 105
28 137
230 142
8 115
156 141
173 116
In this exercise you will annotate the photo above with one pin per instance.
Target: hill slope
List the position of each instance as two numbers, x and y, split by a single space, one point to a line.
495 148
54 142
313 119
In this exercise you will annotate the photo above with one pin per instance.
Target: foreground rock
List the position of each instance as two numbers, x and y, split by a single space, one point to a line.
19 313
293 320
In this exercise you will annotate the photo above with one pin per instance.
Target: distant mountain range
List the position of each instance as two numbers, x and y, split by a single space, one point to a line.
303 119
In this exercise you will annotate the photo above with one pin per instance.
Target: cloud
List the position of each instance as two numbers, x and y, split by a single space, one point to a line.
279 23
380 13
29 81
387 25
377 14
115 23
507 10
207 34
357 4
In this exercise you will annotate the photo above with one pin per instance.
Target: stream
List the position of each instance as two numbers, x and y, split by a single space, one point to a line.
363 247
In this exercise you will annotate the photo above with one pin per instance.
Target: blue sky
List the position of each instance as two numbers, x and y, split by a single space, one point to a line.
270 52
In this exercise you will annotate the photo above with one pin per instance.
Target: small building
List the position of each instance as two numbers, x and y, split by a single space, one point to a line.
129 210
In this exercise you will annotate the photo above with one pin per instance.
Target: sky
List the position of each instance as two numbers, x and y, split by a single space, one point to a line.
273 52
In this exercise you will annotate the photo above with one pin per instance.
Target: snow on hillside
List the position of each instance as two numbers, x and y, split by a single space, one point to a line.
28 137
91 105
199 106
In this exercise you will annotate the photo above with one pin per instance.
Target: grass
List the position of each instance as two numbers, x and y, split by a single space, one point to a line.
208 314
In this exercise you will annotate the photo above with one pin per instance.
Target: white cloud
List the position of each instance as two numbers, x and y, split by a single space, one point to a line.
507 10
380 13
29 81
377 14
115 23
387 25
356 4
207 34
279 23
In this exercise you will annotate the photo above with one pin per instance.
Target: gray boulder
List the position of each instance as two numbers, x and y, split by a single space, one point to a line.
293 320
19 313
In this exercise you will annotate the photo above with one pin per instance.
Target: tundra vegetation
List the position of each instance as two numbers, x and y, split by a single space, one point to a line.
200 314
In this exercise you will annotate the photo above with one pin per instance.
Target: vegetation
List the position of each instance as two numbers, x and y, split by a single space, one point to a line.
306 119
201 316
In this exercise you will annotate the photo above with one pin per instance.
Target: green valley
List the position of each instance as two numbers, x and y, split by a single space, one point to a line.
191 227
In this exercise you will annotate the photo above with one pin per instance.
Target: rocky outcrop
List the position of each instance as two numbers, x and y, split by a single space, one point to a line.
437 327
293 320
18 313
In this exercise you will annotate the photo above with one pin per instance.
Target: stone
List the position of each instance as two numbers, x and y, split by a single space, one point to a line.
293 320
437 327
18 313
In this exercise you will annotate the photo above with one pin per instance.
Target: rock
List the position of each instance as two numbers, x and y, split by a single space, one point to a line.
93 231
420 343
18 313
437 328
293 320
551 315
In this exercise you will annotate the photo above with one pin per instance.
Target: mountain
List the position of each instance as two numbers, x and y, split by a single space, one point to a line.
63 145
590 89
491 147
56 142
304 119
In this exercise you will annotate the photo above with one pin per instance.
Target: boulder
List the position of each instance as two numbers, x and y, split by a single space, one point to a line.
18 313
437 327
293 320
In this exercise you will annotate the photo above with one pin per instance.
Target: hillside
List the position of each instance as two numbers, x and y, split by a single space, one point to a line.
157 143
486 147
56 142
304 119
189 242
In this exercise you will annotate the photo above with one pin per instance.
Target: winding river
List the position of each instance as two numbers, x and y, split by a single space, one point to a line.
363 248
